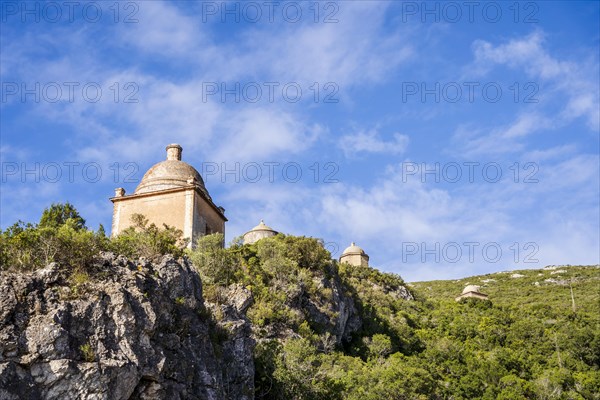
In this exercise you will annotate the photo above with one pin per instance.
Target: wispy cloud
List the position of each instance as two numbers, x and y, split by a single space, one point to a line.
568 92
354 51
577 80
258 133
172 107
371 142
508 139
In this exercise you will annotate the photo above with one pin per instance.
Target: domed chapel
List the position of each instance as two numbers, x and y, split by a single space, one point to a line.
171 192
260 231
354 255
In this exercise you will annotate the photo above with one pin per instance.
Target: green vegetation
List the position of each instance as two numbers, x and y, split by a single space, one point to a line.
538 337
61 236
58 214
78 280
147 240
217 263
526 342
87 352
275 270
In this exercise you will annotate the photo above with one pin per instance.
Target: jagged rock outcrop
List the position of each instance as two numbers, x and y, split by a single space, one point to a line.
322 300
232 323
396 292
130 331
334 312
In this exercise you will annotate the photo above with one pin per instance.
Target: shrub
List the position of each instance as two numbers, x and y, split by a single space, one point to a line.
215 264
19 247
61 236
87 352
149 241
78 281
28 246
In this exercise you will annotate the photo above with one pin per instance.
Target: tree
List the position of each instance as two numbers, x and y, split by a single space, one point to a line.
301 374
28 246
58 214
19 247
380 346
215 264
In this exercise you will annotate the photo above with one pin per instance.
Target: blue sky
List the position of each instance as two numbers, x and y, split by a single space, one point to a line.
446 139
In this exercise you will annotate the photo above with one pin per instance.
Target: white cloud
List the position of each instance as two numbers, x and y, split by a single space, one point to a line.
567 85
392 212
500 140
172 108
164 30
9 153
256 133
578 81
370 142
550 153
353 51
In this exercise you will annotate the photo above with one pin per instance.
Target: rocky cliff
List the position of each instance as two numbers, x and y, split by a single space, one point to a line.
150 330
130 331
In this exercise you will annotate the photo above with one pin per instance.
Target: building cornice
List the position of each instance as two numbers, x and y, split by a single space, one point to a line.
168 191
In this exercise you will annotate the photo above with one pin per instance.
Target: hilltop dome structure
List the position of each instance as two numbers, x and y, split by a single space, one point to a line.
354 255
171 192
473 292
260 231
470 288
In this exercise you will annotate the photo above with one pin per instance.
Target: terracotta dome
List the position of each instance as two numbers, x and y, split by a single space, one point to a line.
171 173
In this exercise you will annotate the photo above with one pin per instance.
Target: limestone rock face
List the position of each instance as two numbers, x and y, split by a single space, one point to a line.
400 292
133 331
325 304
234 351
336 312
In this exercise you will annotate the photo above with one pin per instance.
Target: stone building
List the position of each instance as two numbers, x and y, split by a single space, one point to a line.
472 291
171 192
354 255
260 231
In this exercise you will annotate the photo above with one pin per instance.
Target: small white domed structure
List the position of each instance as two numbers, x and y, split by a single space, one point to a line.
470 288
472 291
260 231
354 255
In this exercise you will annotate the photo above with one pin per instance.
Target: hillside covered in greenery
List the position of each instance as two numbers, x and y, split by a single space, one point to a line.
325 330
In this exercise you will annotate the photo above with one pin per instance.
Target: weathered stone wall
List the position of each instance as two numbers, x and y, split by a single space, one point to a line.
355 259
168 208
211 217
184 209
255 236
